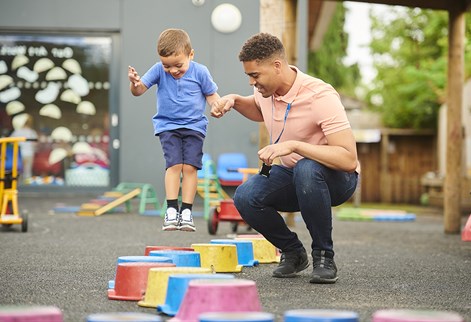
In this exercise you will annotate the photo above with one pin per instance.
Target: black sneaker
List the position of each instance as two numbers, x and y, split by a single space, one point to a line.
291 263
324 270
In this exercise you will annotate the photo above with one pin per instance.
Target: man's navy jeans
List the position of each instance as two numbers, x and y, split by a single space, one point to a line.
309 187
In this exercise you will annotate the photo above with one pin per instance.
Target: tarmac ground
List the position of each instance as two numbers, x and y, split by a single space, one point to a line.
65 260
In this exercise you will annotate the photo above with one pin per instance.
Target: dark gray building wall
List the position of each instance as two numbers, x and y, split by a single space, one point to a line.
216 50
135 26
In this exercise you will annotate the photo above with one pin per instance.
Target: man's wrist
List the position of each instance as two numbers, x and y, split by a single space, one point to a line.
234 99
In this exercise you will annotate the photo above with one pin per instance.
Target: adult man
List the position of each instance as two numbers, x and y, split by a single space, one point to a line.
310 133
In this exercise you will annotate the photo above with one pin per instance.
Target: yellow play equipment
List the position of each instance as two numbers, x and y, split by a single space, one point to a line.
9 214
209 188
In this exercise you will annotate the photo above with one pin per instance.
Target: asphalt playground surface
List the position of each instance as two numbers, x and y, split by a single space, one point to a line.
65 260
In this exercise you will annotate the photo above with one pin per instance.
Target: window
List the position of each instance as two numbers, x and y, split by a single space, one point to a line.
58 86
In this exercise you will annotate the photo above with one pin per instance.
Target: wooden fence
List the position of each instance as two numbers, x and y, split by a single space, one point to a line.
392 168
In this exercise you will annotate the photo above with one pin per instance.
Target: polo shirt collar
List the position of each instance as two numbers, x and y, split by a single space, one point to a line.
293 91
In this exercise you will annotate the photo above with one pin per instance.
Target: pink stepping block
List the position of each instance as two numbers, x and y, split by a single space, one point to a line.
392 315
237 317
30 314
217 295
466 233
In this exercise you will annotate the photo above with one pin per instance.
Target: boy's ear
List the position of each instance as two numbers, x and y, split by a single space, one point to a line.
192 54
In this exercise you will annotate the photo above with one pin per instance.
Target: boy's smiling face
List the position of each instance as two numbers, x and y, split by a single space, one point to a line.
177 65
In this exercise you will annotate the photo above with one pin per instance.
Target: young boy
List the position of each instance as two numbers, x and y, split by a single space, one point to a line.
183 88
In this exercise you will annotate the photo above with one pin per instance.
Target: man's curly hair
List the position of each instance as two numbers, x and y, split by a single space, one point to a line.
260 47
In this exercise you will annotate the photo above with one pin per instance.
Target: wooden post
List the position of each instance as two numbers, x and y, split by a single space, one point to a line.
454 146
289 41
385 178
289 37
271 21
279 19
272 17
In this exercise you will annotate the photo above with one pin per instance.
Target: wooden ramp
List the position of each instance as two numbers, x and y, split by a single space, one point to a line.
115 199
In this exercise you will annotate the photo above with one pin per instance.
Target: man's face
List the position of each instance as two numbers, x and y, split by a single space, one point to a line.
177 65
263 75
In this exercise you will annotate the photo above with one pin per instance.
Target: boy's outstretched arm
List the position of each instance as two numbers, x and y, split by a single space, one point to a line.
136 86
211 99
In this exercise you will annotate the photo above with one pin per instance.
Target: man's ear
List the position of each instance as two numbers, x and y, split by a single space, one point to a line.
277 65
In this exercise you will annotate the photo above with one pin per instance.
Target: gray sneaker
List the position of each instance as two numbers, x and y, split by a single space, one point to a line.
186 221
324 268
171 220
291 263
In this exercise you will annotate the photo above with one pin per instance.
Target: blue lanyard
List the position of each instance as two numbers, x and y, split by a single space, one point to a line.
284 121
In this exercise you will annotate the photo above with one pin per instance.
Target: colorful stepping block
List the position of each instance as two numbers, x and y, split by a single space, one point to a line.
23 313
362 214
410 315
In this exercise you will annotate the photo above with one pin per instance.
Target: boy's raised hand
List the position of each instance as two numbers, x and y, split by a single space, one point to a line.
133 76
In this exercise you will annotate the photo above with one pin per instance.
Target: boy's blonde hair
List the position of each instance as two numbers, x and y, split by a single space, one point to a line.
173 42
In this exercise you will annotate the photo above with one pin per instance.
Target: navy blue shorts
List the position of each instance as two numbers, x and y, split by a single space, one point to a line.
182 146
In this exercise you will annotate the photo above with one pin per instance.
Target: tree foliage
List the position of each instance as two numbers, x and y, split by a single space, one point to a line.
327 63
410 48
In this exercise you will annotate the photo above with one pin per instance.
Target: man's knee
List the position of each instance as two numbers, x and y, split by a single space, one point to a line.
245 199
240 198
307 169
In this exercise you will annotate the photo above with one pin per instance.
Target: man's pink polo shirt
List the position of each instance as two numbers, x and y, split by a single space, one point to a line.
316 111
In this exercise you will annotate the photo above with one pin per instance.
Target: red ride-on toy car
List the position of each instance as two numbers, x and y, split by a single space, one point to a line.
226 211
218 205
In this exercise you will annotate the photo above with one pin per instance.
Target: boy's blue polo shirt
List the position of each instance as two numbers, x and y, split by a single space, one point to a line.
181 102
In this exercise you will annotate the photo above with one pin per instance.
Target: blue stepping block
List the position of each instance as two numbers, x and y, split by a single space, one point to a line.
394 217
312 315
359 214
66 209
180 258
245 253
